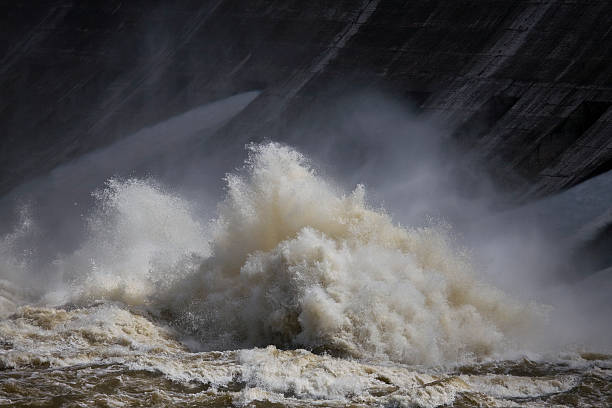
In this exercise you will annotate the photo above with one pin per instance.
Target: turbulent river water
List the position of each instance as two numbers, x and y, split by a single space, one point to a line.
294 294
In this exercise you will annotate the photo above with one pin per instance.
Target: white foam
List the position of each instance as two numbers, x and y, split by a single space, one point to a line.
294 261
290 260
140 240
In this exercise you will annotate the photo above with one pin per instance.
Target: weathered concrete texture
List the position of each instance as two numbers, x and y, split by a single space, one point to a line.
528 84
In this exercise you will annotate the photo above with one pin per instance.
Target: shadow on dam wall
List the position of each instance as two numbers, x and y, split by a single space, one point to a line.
525 84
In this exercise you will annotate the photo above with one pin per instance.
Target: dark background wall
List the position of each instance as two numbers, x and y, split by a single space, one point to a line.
525 84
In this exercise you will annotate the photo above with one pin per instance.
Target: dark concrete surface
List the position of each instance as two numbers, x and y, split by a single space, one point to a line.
525 84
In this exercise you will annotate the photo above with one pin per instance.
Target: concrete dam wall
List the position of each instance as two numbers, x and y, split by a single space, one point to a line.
525 84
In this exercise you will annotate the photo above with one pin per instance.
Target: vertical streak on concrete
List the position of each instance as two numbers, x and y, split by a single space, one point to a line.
343 38
240 65
35 36
161 59
274 101
511 41
367 9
